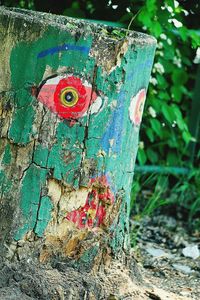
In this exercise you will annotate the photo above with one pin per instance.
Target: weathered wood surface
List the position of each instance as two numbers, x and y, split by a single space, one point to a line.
72 96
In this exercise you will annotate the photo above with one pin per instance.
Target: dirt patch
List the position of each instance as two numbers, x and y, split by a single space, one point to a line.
160 241
28 280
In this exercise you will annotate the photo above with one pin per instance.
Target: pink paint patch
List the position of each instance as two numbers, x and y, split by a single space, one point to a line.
93 213
137 106
46 96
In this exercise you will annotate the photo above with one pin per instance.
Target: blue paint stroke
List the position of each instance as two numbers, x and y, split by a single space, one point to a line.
141 66
64 47
114 130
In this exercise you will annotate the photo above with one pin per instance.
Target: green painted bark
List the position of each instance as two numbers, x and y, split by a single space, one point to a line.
72 96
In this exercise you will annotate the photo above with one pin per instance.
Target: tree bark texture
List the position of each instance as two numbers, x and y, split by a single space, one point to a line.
71 100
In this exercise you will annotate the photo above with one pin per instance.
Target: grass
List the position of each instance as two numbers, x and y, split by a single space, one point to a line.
177 194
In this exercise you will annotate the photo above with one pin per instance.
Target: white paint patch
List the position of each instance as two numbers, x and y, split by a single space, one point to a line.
55 80
87 84
96 106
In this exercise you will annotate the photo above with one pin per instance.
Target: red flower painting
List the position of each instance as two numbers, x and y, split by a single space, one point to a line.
93 213
69 97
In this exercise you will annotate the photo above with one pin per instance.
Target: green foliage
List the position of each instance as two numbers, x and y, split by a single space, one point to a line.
148 193
165 133
182 193
74 11
186 194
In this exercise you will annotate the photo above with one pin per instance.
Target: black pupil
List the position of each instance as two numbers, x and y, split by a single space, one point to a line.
69 97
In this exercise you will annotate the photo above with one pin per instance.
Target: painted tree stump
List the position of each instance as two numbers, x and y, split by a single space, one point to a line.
72 96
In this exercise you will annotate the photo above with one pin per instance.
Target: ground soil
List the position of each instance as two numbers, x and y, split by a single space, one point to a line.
169 269
147 276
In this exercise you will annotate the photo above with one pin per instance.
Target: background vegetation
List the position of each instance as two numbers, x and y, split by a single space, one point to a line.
169 135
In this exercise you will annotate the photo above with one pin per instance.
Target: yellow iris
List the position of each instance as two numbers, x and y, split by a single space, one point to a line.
69 96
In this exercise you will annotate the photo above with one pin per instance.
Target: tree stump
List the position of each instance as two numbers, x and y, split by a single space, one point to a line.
72 96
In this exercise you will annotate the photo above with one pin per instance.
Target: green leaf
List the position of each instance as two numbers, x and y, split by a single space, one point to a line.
168 65
168 113
156 126
177 111
195 36
157 29
152 155
150 134
179 118
162 81
183 31
172 158
176 93
144 17
186 60
141 156
179 77
186 136
118 33
170 3
164 95
155 103
151 6
170 52
181 124
173 141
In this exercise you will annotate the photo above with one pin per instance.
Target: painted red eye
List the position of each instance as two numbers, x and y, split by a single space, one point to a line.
68 96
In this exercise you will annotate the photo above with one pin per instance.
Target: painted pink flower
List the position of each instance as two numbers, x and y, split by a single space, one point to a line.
136 107
93 213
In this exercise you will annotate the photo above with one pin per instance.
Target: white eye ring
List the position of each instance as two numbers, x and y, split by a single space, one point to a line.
95 107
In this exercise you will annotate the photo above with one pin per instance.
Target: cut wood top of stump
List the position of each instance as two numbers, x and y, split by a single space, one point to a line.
76 26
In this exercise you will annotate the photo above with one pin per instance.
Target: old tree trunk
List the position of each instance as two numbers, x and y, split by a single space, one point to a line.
71 100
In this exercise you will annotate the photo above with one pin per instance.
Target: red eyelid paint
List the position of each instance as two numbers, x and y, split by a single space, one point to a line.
51 90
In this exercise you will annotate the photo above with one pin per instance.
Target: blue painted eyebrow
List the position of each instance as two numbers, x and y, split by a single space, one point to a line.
64 47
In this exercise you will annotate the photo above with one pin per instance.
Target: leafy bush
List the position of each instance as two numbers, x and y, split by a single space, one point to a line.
164 134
